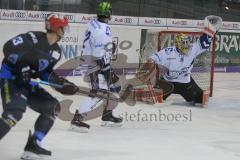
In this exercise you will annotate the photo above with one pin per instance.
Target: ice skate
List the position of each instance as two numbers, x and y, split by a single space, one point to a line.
109 120
33 151
78 125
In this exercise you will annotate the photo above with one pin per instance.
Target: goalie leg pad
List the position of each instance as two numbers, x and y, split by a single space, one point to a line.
148 94
205 98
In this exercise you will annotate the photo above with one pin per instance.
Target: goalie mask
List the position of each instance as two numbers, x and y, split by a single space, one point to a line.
182 43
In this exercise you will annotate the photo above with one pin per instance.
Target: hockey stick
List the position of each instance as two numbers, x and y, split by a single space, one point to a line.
85 92
108 95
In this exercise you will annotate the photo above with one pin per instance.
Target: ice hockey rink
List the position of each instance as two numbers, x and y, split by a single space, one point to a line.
204 134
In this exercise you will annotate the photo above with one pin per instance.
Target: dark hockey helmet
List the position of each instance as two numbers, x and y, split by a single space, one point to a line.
104 9
54 22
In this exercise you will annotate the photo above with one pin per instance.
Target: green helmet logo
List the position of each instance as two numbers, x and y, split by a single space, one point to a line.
104 9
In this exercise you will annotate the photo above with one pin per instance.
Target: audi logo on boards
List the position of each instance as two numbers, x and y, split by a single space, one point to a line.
157 21
20 14
44 15
33 16
235 26
128 20
69 17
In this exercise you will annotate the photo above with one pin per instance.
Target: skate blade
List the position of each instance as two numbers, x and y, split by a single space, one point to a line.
78 129
202 105
110 124
190 104
32 156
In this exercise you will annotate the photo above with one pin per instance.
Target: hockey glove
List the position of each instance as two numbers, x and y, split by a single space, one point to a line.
68 88
212 24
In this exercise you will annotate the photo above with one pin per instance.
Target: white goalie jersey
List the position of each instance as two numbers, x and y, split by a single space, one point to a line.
97 40
177 66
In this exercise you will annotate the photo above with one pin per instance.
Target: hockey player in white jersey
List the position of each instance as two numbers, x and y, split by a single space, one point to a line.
176 62
98 44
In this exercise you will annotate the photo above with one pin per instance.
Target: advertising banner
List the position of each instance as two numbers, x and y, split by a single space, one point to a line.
14 14
179 23
126 33
231 25
228 49
22 15
36 15
124 20
83 18
148 21
198 23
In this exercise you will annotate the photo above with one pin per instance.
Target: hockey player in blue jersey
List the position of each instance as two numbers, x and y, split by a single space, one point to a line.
28 56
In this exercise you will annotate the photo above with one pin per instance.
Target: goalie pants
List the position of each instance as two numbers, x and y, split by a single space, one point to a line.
189 91
16 98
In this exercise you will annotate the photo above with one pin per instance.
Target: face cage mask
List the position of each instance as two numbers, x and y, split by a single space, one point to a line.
183 45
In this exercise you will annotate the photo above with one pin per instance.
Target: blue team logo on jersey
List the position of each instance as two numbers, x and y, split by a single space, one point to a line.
170 75
108 31
168 50
42 64
13 58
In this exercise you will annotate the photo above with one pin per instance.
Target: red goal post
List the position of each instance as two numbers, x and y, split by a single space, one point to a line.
203 69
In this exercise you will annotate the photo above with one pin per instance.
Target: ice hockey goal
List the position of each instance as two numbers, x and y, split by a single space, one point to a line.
203 70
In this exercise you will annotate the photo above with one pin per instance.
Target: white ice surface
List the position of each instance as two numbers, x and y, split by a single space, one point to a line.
212 134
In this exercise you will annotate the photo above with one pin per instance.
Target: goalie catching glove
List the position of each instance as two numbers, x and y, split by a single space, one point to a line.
67 87
212 24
